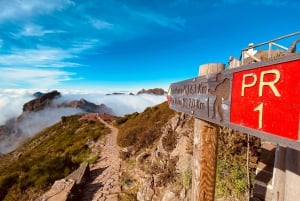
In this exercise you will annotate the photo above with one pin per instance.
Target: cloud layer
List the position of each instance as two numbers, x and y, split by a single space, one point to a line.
11 102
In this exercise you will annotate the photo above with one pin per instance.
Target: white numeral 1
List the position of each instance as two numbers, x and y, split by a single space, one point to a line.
259 108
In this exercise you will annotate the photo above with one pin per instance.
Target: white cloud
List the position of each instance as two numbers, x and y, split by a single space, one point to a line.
12 100
32 124
121 104
100 24
45 56
24 66
36 30
33 78
16 9
80 46
11 103
176 23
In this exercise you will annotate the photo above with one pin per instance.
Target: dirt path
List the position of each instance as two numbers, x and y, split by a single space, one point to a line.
104 184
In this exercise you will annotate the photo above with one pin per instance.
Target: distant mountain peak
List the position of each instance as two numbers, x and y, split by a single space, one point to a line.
155 91
41 102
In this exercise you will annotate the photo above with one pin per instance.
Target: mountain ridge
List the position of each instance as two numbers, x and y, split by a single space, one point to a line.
155 156
41 108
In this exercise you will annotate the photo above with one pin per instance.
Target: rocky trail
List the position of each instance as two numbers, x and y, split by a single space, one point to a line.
104 180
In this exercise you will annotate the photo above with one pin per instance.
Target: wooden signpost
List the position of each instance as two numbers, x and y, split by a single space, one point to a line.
261 99
205 149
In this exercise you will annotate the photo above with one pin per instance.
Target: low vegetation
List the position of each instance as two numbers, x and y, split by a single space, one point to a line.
52 154
142 129
61 148
187 178
232 178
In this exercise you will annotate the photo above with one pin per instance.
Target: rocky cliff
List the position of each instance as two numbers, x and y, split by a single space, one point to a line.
160 169
46 100
87 106
155 91
169 176
163 171
41 102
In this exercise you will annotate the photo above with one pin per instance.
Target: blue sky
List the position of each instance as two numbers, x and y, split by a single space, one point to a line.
129 44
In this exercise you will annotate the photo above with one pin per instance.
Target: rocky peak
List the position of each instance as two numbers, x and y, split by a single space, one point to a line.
155 91
87 106
82 100
12 132
41 102
46 100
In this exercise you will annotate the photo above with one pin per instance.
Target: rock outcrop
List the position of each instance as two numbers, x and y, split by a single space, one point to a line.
163 172
63 189
38 94
46 100
41 102
12 132
155 91
88 106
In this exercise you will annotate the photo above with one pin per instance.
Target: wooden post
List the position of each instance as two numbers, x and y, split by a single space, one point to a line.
205 150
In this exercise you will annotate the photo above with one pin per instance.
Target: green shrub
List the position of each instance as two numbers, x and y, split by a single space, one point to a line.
51 155
127 196
6 182
232 178
93 158
122 120
142 129
187 178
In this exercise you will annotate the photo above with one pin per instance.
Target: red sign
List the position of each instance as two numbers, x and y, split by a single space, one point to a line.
268 99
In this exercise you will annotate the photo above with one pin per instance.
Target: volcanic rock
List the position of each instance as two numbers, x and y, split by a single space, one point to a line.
88 106
155 91
40 103
38 94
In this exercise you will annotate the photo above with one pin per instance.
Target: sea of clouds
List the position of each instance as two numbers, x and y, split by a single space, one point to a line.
11 105
12 101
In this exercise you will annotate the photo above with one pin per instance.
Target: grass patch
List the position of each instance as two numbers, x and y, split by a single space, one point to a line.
142 129
93 158
52 154
127 196
187 178
231 167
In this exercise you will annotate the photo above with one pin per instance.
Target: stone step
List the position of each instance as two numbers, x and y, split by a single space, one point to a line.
264 172
261 193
